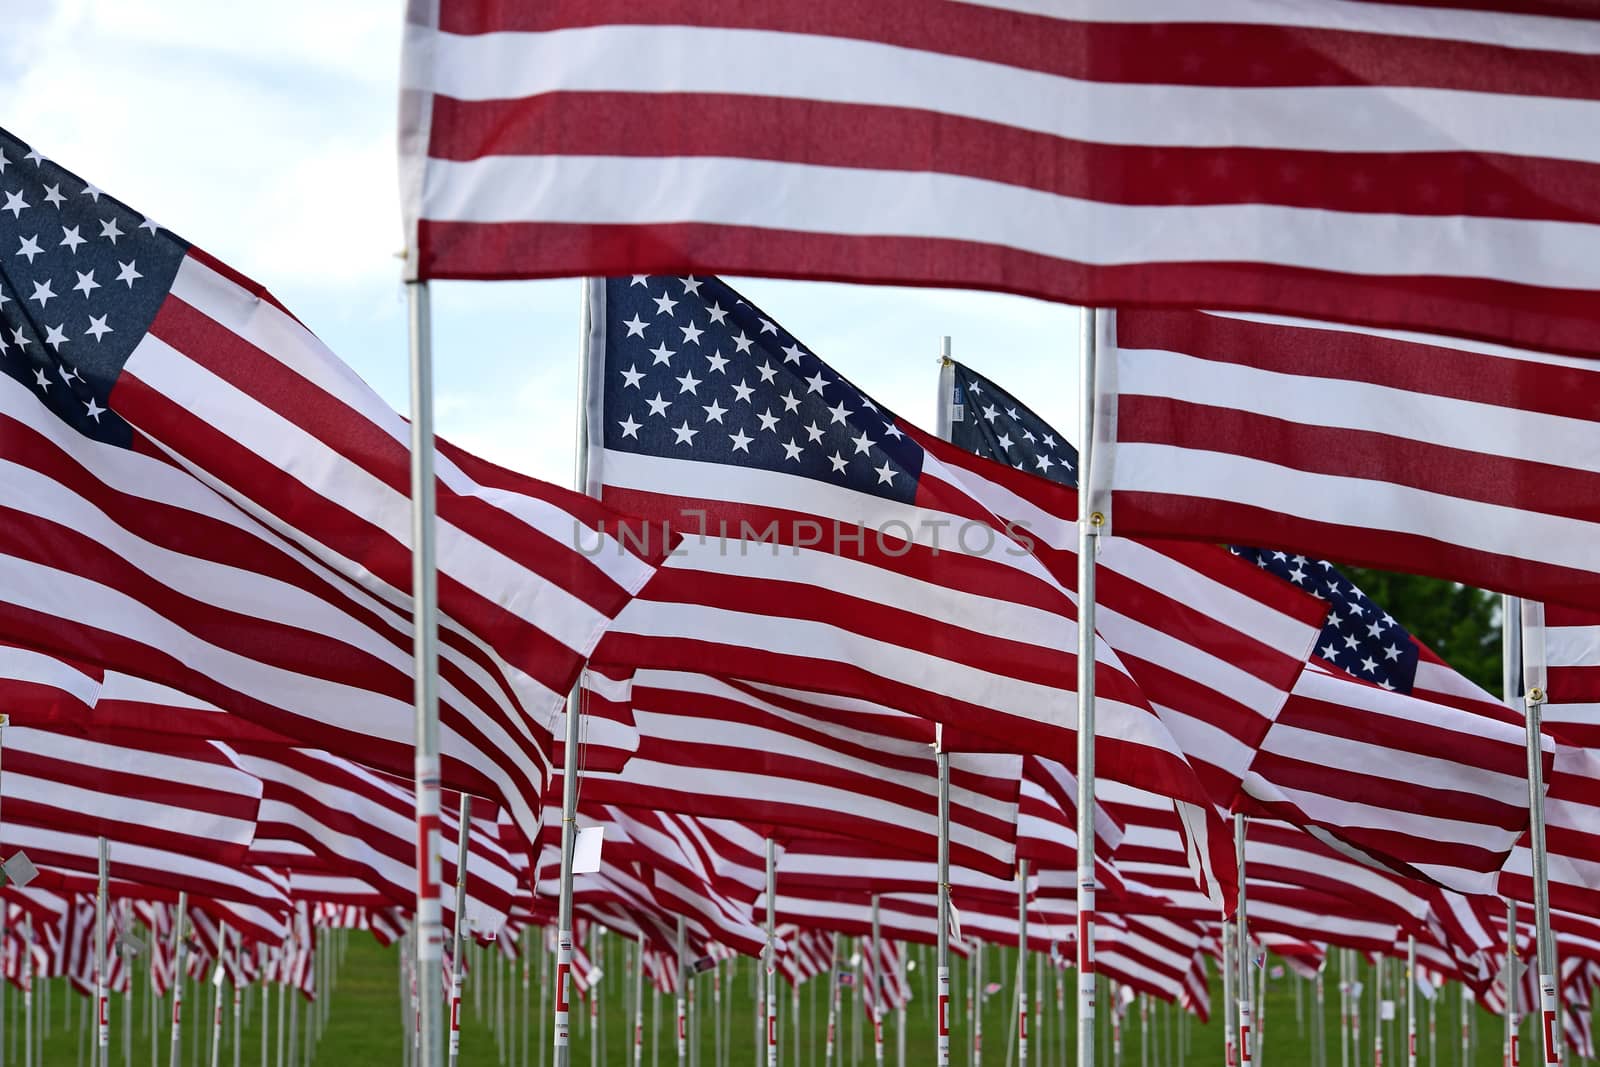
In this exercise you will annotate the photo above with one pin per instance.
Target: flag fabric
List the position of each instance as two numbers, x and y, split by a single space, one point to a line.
227 507
1397 165
1470 462
827 547
1572 653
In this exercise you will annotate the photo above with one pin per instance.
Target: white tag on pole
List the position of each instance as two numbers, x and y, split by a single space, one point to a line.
1356 988
586 850
216 975
955 921
1386 1011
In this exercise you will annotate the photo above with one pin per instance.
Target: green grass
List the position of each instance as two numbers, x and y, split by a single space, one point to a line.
365 1023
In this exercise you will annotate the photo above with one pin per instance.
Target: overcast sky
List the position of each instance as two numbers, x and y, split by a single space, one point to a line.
264 133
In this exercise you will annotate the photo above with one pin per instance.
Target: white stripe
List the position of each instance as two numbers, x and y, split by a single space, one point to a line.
25 665
1310 400
1359 503
1572 646
607 190
798 66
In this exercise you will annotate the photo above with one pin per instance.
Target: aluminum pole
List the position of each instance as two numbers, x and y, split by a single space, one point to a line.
1246 1056
1022 964
1089 525
1527 622
942 934
1510 1047
876 992
683 1032
1344 1008
179 950
102 1001
833 1003
900 1018
1229 1009
1411 1001
216 1011
425 659
463 847
770 956
638 1004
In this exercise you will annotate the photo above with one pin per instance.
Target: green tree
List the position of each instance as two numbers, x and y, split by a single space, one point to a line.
1460 623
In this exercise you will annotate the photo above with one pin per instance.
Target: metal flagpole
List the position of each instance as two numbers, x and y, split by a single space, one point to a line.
1378 1020
977 1003
876 992
463 845
900 1017
942 761
1022 965
1411 1001
833 1003
1229 948
179 947
638 1004
102 1003
1466 1023
1344 1008
1510 1048
771 955
683 1033
216 1012
1531 631
425 658
1089 526
1245 1048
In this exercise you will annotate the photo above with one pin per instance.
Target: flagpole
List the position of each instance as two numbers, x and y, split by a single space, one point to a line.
683 1033
1089 526
1531 631
1510 670
1228 1008
1246 1053
179 947
942 762
1021 983
216 1011
833 1000
877 986
900 1013
638 1003
1411 1001
463 845
771 954
102 1055
425 658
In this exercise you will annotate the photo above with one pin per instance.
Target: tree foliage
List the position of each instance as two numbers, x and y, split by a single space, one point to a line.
1460 623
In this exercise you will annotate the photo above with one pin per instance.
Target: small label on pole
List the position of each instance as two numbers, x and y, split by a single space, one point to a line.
586 850
955 921
1386 1011
563 972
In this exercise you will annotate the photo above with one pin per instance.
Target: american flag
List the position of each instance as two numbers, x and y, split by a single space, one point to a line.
881 576
200 492
1425 166
1572 652
1470 462
1379 743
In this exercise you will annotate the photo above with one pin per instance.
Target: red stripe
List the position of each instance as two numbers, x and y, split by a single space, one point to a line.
821 133
1167 515
1192 53
1549 319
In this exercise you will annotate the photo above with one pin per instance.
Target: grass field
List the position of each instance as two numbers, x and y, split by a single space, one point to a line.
365 1020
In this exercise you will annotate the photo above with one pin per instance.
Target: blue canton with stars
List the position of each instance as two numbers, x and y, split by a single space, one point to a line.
1359 637
693 371
990 422
81 279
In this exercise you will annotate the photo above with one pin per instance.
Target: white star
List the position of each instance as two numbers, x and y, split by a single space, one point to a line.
1391 653
33 154
52 193
93 410
767 372
68 374
990 413
1385 683
92 192
862 443
38 376
792 354
4 162
839 463
1328 651
717 361
70 238
97 327
86 283
662 353
717 314
631 376
741 442
791 450
30 248
1280 556
1043 462
1050 441
150 224
742 391
892 430
885 473
683 435
1297 576
790 402
691 333
640 279
769 421
839 413
1004 441
109 229
715 412
128 274
815 383
664 304
42 292
767 327
1369 665
691 284
658 406
1375 629
1027 435
4 299
15 204
688 384
977 390
742 343
813 432
635 326
1351 642
19 340
630 428
55 336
